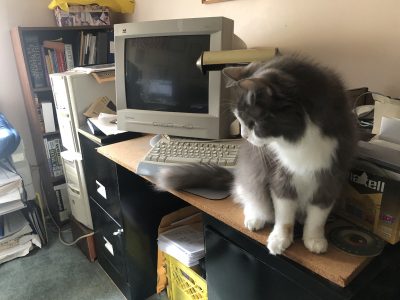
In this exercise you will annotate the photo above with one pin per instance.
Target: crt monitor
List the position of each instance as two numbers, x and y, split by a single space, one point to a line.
159 89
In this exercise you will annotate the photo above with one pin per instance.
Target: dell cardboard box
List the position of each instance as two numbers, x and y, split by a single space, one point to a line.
371 200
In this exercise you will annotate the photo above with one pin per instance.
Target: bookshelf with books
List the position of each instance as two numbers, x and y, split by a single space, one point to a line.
40 51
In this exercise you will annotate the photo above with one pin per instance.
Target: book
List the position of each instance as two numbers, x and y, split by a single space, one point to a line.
101 48
69 57
92 50
53 154
111 47
34 60
48 117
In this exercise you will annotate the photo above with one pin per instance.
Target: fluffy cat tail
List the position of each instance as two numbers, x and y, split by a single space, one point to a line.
193 176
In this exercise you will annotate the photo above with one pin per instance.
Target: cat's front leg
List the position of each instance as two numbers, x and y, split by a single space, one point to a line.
257 206
281 236
314 228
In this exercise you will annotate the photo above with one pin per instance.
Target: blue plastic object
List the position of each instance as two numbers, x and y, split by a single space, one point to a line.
9 138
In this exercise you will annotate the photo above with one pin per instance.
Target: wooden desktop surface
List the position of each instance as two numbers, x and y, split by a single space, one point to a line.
335 265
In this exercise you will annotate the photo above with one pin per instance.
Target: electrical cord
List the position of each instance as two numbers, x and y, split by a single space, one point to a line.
58 227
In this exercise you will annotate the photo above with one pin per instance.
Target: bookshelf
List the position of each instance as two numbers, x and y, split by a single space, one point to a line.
38 52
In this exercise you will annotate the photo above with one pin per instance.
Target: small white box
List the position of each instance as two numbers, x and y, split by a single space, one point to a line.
48 117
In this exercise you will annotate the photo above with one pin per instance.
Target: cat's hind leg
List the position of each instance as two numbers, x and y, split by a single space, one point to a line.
314 228
281 236
257 206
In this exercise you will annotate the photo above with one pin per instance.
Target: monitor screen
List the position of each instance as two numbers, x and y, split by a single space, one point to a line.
161 74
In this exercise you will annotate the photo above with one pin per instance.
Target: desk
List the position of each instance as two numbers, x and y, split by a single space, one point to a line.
336 266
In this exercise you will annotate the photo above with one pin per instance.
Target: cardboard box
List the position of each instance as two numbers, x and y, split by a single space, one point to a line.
83 15
373 202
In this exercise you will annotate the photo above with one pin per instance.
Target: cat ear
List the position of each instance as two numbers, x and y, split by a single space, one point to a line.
248 84
232 75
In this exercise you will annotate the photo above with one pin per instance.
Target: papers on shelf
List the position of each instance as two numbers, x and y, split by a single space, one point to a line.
17 239
105 125
95 68
9 181
8 207
10 191
185 243
384 148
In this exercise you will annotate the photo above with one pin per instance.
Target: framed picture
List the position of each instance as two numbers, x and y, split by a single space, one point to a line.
212 1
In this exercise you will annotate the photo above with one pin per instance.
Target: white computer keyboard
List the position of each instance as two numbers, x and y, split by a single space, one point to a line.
176 151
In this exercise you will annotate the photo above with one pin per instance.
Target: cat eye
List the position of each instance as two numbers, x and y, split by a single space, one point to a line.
251 124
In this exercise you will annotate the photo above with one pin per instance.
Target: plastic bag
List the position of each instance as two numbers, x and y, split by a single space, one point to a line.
122 6
9 138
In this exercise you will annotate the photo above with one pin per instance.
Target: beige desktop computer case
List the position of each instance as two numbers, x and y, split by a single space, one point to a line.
73 93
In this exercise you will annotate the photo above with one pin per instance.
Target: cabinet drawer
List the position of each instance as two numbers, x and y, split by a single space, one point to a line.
105 186
108 238
102 184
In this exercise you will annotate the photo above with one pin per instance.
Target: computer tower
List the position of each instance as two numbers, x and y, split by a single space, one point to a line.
74 92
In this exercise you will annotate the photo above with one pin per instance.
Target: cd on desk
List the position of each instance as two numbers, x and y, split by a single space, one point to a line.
356 241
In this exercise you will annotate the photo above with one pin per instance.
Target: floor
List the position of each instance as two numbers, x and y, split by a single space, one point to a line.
55 272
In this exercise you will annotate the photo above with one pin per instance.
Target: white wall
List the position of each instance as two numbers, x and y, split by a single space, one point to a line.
18 13
360 39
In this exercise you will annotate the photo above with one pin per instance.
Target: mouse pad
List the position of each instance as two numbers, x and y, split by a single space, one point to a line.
211 194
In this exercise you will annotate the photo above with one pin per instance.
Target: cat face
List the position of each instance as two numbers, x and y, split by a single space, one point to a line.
266 103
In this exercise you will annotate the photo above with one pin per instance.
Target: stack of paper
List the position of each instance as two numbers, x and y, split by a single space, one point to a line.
10 191
384 148
17 238
185 243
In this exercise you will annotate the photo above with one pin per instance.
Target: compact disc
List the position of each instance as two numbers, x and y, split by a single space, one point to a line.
356 241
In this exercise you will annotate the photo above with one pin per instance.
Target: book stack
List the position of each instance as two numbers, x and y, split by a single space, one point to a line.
45 57
58 57
53 150
95 48
16 236
184 243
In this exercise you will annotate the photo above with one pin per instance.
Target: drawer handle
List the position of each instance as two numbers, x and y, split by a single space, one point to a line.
109 246
101 189
118 232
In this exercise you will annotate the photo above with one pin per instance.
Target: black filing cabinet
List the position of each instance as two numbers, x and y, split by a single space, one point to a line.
126 212
102 185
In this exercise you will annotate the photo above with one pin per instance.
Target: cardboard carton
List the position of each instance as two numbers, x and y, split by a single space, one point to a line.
83 15
373 202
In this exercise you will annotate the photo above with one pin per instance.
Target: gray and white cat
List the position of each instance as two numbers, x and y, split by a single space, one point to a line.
299 138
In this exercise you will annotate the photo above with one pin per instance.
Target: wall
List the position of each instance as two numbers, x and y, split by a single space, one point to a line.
13 13
360 39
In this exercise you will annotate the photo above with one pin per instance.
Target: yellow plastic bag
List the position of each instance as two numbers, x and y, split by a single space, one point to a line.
122 6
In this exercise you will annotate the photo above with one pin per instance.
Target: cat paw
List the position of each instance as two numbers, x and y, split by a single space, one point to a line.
254 224
316 245
278 243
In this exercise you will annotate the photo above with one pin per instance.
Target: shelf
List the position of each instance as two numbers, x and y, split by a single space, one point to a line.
43 89
46 134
